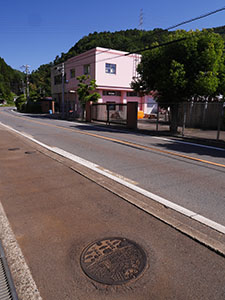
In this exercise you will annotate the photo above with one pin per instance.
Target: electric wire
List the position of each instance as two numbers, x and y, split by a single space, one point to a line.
196 18
179 24
159 32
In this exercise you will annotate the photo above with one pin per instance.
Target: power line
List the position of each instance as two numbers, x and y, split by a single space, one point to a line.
120 55
161 45
197 18
130 53
82 58
91 55
154 33
182 23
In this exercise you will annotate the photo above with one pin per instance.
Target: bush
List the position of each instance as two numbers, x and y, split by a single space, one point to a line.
20 102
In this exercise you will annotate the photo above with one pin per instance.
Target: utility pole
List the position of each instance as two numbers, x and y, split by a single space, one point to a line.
63 81
62 70
26 67
23 88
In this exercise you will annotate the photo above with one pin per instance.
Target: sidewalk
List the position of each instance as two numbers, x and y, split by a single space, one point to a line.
55 214
206 135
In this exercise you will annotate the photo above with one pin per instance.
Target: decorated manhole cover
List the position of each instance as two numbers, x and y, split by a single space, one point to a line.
113 260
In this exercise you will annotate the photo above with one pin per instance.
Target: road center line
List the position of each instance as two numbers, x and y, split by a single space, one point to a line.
142 191
127 143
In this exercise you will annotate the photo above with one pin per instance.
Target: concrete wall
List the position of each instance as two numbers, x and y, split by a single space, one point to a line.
125 68
77 63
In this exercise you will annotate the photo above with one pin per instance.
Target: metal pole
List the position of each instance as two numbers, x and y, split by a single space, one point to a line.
191 111
27 80
184 120
63 88
219 121
23 87
28 93
204 113
107 107
157 121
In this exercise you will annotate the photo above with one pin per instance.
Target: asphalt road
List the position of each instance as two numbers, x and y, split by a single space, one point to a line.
55 213
192 176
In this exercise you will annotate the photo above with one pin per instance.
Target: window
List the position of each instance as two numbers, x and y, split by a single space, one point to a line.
87 69
72 73
110 68
133 94
111 93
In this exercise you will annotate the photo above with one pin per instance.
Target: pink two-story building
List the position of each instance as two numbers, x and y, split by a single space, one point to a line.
113 71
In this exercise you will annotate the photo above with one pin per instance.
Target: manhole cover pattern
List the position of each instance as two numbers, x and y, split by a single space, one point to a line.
113 261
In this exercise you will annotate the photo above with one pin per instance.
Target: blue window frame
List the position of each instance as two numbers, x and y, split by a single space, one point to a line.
110 68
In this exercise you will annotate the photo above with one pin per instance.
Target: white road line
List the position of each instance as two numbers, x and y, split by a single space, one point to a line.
133 187
209 223
118 175
189 143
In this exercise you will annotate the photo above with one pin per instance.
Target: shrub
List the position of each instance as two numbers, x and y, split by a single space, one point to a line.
20 102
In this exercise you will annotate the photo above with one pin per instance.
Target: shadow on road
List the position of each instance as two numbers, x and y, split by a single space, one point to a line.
191 149
172 145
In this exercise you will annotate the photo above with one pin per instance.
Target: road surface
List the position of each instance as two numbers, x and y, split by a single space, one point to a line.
189 175
56 215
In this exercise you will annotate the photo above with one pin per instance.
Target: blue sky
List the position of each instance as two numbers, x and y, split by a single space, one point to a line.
34 32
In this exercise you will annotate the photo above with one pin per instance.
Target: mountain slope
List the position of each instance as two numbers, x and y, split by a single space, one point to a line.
10 81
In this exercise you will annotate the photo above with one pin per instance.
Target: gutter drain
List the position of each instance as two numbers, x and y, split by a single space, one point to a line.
7 289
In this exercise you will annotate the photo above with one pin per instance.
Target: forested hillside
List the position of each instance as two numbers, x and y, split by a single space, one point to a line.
40 81
10 81
131 40
125 40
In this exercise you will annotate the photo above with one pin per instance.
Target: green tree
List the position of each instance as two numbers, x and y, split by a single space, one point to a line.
10 82
131 40
179 71
40 81
86 91
20 102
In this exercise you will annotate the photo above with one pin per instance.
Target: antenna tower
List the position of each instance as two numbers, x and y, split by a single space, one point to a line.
141 18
